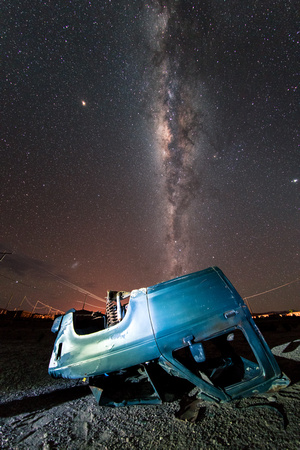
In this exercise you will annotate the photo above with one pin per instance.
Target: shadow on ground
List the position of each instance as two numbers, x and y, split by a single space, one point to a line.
44 401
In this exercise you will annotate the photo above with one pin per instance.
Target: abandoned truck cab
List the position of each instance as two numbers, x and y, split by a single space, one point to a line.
196 327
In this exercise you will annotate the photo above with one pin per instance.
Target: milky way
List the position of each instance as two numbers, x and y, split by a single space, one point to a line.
179 126
142 140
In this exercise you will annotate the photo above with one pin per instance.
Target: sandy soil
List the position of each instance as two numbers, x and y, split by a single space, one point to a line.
41 413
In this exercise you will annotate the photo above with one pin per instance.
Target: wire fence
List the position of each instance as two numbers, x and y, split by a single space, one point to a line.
40 306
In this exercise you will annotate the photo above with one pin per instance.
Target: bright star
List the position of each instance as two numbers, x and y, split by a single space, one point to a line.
83 103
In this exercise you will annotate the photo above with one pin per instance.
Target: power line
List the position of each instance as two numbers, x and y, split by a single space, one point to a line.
89 304
76 288
60 280
33 306
42 307
274 289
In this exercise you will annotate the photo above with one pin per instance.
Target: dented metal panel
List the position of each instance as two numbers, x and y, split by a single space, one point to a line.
125 344
196 328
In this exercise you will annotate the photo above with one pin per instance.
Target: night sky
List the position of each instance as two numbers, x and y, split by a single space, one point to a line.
142 140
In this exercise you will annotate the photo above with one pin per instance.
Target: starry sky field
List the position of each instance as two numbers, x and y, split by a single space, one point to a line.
143 140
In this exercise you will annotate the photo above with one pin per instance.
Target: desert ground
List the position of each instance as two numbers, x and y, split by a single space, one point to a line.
39 412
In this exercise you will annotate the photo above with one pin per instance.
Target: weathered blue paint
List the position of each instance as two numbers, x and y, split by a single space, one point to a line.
183 312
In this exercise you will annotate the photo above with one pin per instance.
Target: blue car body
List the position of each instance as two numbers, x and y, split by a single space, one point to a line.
196 328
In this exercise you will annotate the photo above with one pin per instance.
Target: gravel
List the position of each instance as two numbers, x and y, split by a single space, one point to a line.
41 413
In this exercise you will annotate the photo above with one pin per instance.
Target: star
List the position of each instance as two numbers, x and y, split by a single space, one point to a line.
169 143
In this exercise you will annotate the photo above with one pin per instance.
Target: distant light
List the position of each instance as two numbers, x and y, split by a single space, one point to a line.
83 103
295 180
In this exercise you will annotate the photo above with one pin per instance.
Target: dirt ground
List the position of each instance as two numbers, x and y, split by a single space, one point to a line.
42 413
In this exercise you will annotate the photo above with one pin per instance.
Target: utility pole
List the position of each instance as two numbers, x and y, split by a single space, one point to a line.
2 255
6 307
21 302
34 307
19 306
84 301
248 305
